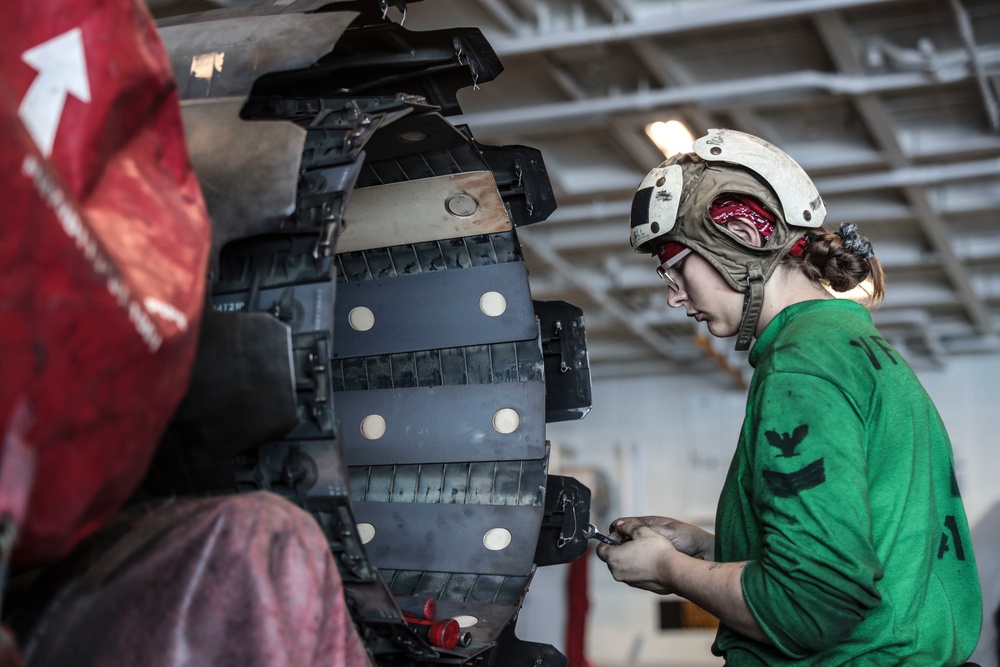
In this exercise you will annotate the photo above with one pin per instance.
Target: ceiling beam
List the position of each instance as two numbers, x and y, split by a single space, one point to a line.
668 22
834 34
575 113
509 19
965 30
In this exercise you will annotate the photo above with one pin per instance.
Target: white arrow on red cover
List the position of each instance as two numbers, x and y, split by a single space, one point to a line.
62 70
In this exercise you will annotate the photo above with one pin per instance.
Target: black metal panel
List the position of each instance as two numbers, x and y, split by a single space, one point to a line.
242 393
567 513
388 59
568 393
514 652
420 135
416 536
434 310
523 182
303 307
443 424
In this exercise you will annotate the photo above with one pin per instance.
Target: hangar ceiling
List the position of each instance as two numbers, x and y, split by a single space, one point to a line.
891 105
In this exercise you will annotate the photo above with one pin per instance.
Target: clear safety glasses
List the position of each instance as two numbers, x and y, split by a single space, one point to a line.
666 277
666 269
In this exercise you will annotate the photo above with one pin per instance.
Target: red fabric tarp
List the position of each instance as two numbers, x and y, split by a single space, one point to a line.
235 581
103 255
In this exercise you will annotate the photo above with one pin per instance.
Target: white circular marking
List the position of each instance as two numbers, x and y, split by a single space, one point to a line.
497 539
493 304
361 318
461 205
366 532
373 427
506 420
466 621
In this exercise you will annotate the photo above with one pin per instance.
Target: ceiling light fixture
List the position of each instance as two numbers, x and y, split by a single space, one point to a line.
670 137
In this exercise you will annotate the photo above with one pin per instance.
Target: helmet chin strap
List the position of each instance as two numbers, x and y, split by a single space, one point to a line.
753 303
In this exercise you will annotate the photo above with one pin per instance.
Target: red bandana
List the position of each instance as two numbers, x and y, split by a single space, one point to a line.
728 207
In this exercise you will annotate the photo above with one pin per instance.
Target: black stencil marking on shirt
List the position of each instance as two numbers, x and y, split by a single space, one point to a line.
956 539
788 484
869 351
787 442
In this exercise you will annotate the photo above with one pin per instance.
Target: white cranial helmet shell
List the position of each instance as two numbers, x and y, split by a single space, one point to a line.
657 205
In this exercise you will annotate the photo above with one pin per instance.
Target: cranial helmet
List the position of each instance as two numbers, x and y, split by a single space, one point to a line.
672 206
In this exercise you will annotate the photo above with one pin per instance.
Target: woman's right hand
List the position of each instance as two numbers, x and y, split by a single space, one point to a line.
686 538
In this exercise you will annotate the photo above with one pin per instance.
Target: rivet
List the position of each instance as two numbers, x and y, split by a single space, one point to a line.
373 427
506 420
715 150
412 136
497 539
366 532
493 304
807 215
660 181
462 205
654 226
361 318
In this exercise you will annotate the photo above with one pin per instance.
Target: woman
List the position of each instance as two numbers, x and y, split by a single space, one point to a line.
840 534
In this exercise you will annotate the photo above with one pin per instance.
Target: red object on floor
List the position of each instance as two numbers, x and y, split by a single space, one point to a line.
104 250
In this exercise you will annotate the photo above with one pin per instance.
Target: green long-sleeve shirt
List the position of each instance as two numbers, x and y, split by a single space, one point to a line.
842 494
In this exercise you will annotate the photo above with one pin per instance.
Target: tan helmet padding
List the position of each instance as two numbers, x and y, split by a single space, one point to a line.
703 183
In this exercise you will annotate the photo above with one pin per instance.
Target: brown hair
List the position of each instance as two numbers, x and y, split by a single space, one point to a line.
842 259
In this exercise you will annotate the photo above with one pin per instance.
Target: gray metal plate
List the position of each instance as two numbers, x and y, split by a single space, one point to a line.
427 209
225 57
434 310
442 424
450 538
248 170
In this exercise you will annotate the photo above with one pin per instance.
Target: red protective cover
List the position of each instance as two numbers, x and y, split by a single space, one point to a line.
233 581
103 254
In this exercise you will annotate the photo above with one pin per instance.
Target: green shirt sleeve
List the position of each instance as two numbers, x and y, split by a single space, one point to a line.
815 578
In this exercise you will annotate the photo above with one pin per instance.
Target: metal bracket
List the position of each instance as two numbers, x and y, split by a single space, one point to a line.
567 513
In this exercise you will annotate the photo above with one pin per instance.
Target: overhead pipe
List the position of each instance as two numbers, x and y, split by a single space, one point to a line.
669 22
